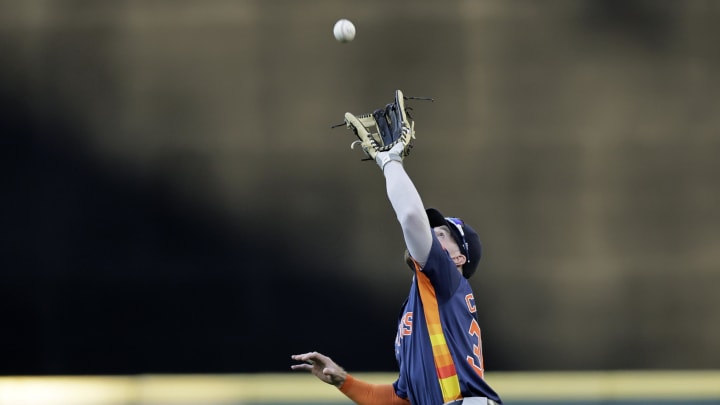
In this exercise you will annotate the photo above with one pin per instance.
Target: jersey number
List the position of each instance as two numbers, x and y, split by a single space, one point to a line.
476 361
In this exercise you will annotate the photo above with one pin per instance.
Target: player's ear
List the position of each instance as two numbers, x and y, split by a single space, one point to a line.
459 260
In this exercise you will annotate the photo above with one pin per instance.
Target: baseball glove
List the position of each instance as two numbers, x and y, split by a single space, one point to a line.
384 129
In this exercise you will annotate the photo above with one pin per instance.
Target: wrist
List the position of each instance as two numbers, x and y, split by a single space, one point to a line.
383 159
345 381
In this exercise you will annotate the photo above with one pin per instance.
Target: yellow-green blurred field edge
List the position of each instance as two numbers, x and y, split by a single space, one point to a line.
611 387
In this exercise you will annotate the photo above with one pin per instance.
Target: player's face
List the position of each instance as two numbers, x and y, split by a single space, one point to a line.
448 243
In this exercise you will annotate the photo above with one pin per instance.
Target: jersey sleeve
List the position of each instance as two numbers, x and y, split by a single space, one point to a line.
400 388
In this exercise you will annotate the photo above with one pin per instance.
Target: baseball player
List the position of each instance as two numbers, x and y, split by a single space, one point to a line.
438 345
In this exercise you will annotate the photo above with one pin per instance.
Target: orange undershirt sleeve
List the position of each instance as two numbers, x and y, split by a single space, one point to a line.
363 393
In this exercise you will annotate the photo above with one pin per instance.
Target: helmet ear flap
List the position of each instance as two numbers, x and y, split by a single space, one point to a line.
467 273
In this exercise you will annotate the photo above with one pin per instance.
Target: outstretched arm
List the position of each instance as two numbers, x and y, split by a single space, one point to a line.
409 210
391 127
360 392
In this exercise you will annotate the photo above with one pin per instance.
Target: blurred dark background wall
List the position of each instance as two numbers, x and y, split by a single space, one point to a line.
174 199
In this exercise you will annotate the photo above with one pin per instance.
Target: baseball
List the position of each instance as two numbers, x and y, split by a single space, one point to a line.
344 30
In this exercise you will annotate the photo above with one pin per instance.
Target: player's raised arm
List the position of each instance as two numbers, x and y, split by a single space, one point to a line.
409 210
386 136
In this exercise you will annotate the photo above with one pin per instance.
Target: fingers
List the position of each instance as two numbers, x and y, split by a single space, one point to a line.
311 357
306 358
310 360
303 356
302 367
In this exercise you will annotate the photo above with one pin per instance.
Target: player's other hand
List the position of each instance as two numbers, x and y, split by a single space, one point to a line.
321 367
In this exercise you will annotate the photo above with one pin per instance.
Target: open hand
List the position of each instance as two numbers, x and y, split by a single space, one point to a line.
321 367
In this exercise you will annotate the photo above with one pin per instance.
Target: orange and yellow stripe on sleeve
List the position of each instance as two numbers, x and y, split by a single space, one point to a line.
444 365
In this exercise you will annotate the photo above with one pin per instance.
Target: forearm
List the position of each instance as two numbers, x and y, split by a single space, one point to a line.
363 393
409 210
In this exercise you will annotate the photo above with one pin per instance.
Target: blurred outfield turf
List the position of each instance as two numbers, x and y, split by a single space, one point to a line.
521 388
